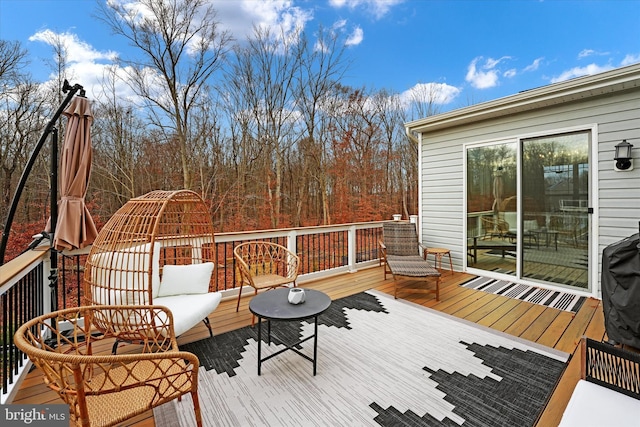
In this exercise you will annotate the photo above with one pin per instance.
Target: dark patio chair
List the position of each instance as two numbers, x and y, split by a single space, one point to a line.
403 256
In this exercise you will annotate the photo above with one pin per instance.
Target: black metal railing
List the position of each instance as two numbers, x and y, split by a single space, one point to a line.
70 276
22 301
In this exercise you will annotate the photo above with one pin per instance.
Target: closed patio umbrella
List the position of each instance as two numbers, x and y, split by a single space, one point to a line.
498 194
75 228
498 190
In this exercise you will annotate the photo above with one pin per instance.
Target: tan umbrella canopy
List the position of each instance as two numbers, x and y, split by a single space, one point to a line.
75 228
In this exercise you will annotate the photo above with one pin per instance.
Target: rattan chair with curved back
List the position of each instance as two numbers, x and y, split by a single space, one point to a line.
265 265
102 389
157 249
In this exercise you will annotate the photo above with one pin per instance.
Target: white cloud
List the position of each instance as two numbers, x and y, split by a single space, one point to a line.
355 38
581 71
77 51
84 64
482 79
585 53
594 69
339 25
240 16
510 73
492 63
436 93
378 8
630 59
534 65
89 65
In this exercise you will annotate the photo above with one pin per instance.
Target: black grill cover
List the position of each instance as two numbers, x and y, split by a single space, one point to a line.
621 291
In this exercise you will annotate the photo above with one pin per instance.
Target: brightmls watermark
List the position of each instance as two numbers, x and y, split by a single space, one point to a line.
34 415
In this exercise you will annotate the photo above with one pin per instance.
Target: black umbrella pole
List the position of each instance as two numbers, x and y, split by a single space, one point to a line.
53 253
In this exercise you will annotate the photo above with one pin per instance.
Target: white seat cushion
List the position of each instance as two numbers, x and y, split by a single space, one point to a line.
594 405
185 279
124 270
189 310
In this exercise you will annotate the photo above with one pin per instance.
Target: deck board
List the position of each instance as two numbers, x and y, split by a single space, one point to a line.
548 326
504 310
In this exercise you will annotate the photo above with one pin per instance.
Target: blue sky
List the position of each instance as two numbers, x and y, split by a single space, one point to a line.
471 50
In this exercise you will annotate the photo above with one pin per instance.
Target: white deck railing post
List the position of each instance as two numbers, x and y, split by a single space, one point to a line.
351 241
292 241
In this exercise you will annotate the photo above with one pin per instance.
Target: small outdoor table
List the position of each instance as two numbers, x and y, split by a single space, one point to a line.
274 305
438 253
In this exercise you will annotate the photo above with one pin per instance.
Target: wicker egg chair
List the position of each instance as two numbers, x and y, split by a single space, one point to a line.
157 249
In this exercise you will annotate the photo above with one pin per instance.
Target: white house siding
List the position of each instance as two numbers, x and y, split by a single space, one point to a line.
617 117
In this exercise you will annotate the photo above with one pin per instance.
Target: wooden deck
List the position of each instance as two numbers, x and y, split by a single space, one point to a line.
554 328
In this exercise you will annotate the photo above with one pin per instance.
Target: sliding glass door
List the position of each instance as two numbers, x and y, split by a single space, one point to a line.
491 204
555 204
530 218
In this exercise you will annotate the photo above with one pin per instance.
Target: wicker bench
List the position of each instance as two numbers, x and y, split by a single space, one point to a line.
608 394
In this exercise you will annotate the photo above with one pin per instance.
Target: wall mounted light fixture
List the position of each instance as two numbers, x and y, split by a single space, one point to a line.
623 159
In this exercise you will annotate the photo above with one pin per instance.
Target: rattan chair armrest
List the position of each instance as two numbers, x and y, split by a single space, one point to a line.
293 265
179 355
243 268
166 372
151 324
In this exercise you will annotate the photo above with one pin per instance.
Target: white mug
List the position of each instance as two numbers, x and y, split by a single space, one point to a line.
296 296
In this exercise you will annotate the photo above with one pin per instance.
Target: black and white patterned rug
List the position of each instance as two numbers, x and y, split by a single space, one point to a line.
566 301
380 362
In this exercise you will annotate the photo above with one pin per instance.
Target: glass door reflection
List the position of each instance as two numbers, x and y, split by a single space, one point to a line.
491 211
555 201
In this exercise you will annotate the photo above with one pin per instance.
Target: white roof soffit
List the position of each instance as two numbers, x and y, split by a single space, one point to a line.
558 93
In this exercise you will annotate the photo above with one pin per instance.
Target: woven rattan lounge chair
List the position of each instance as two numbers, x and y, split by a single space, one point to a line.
403 257
265 265
103 389
157 249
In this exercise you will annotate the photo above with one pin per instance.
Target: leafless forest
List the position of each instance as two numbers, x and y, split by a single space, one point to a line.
263 129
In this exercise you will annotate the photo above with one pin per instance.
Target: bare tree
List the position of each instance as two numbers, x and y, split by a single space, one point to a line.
118 136
59 66
21 111
21 121
12 61
358 156
398 165
181 46
242 179
423 100
265 74
322 68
